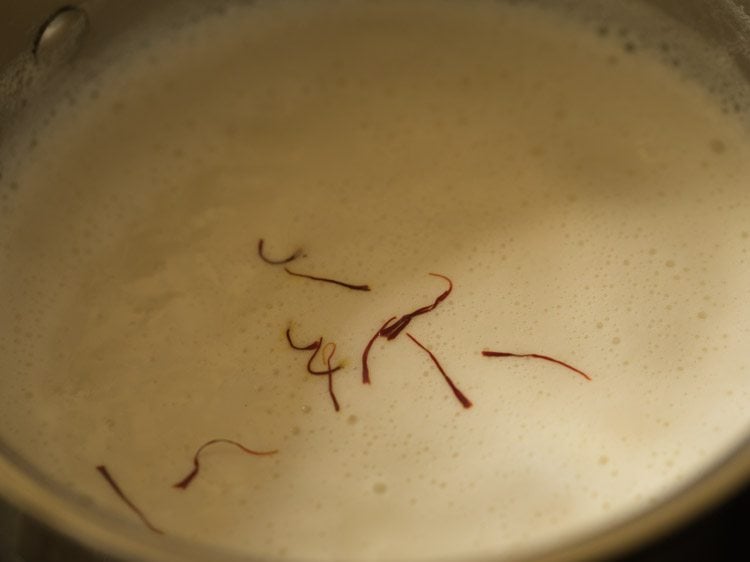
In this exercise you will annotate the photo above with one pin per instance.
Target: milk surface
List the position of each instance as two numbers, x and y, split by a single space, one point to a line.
588 202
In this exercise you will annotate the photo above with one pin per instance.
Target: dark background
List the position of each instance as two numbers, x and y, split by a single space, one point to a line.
723 534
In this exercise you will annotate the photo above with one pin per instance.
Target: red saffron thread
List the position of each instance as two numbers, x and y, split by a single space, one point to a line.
113 484
392 331
465 402
327 280
297 253
327 358
185 482
310 369
536 356
366 352
315 347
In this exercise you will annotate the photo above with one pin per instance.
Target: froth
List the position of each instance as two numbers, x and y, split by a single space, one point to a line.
587 202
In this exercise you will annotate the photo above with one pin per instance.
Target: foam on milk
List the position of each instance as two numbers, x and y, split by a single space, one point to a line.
588 202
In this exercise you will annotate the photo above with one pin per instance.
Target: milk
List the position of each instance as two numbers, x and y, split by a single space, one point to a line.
588 203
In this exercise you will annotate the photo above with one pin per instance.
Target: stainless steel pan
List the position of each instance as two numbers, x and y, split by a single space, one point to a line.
39 40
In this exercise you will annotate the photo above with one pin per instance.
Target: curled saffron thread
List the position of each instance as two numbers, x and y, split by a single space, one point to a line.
393 330
366 352
326 357
465 402
314 347
185 482
297 253
536 356
327 280
113 484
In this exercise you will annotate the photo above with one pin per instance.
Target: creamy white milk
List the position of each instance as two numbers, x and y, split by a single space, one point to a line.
589 203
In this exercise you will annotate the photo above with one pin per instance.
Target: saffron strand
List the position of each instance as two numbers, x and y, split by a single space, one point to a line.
328 280
315 347
392 331
134 508
536 356
366 352
185 482
327 358
297 253
465 402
